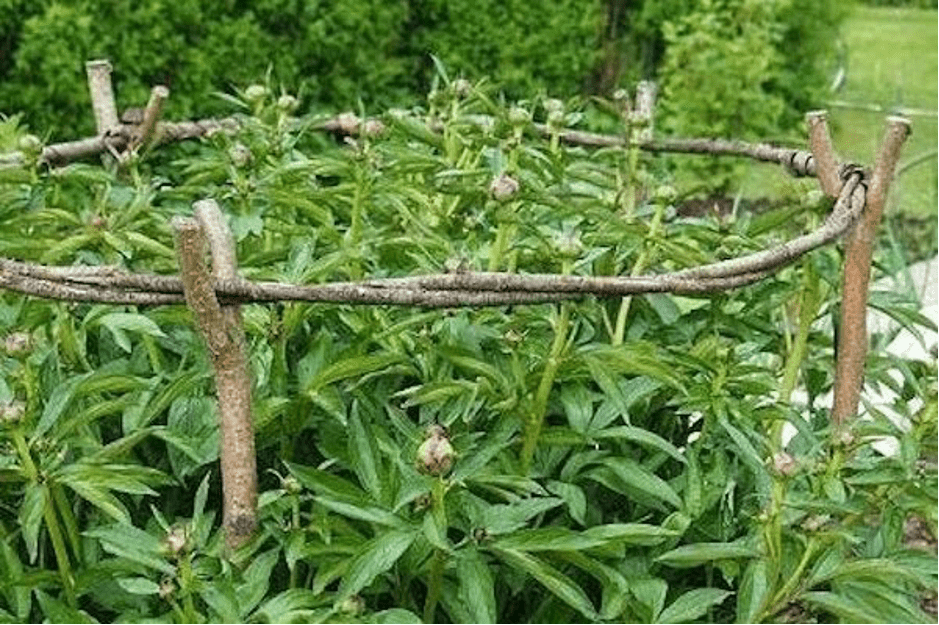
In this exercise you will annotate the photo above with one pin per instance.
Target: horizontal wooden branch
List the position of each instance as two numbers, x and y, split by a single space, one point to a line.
448 290
797 161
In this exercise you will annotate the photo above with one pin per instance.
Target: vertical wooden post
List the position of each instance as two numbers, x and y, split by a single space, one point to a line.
852 338
224 336
102 95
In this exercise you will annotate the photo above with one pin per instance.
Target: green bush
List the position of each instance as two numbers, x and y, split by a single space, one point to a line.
337 53
600 460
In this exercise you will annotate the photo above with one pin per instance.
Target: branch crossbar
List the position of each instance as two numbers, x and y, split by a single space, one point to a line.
115 286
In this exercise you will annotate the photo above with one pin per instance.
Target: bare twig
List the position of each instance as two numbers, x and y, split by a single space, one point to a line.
102 95
823 152
852 338
229 356
144 134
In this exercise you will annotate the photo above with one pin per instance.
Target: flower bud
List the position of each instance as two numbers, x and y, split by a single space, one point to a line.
435 455
167 588
462 87
239 154
17 344
352 606
503 187
519 116
287 103
255 94
665 194
291 485
30 146
176 541
12 411
784 464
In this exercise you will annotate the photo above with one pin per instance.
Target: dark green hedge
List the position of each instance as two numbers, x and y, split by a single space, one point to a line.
338 53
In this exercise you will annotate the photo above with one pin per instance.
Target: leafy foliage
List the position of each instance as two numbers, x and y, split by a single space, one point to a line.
593 460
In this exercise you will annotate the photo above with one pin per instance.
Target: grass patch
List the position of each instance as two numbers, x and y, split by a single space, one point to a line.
892 65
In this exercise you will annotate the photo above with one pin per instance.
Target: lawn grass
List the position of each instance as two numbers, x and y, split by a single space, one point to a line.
892 64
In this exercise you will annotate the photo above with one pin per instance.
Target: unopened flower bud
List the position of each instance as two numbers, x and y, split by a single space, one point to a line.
167 588
352 606
239 154
503 187
176 541
12 411
17 344
435 455
287 103
462 87
519 116
30 146
784 464
255 94
665 194
291 485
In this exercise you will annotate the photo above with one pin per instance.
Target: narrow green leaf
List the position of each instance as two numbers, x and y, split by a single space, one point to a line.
374 558
641 437
352 367
842 607
688 556
631 533
31 517
634 475
562 586
692 605
573 496
139 585
548 539
256 580
56 611
476 586
753 590
363 512
363 453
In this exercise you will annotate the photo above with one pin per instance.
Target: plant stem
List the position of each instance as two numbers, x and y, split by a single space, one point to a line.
503 236
438 559
642 261
536 419
48 513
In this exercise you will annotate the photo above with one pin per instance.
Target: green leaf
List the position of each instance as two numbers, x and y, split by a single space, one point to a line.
363 452
692 605
650 594
352 367
573 496
688 556
363 512
30 516
548 539
504 518
139 585
374 558
562 586
256 580
753 590
119 323
395 616
844 608
632 475
290 606
631 533
476 586
642 437
56 611
126 541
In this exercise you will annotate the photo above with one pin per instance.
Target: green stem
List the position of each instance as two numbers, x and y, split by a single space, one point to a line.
782 597
58 547
438 561
48 513
185 577
536 419
503 236
68 519
642 262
